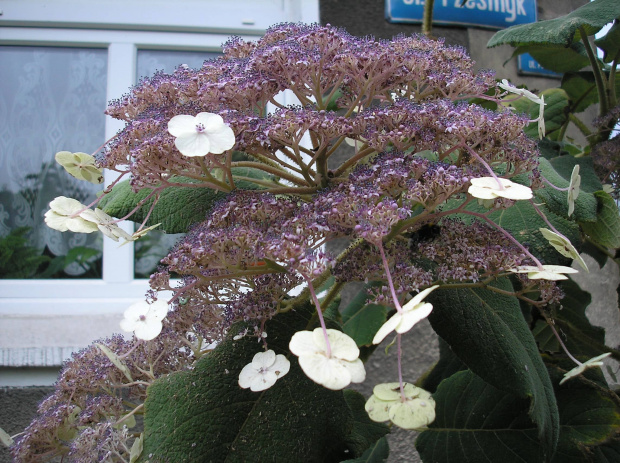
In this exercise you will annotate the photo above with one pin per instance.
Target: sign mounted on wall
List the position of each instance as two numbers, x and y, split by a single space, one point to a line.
492 14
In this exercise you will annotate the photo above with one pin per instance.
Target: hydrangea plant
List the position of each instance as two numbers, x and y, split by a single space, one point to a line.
241 351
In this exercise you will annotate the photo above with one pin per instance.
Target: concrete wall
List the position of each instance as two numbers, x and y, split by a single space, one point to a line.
366 17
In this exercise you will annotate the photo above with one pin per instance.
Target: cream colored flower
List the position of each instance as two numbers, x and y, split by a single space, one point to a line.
415 411
201 134
573 189
563 246
61 216
412 312
335 371
80 165
539 100
593 362
144 319
548 272
489 188
106 224
263 371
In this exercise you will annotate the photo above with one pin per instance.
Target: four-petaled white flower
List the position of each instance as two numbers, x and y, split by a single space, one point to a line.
412 312
106 224
573 189
264 370
548 272
80 165
335 371
415 411
60 216
489 188
200 135
593 362
563 246
144 319
539 100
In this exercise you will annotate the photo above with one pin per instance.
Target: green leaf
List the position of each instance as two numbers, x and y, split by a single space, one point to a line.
361 321
376 453
579 336
488 333
447 365
477 422
560 31
177 208
606 230
365 432
610 43
203 414
557 58
558 171
581 89
523 222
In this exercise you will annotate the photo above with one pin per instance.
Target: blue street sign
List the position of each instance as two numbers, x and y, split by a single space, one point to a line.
492 14
527 65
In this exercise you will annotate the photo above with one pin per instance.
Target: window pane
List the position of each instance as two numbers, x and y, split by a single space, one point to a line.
155 245
51 99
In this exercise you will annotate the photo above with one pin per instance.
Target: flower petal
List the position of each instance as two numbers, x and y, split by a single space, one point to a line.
419 297
246 375
193 144
412 414
302 343
148 329
264 359
221 139
411 317
387 328
262 381
356 370
377 409
342 346
330 373
158 310
182 125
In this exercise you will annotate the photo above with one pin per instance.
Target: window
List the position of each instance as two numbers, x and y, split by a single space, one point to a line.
84 54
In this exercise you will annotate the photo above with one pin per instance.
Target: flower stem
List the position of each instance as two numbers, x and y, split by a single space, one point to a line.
400 369
388 275
320 314
564 348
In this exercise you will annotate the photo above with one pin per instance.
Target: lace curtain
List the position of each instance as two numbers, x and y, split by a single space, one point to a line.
51 99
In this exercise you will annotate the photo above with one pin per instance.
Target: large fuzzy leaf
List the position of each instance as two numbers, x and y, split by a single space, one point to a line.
560 31
360 320
610 43
486 331
581 89
558 171
376 453
477 422
606 230
557 58
177 208
203 415
581 338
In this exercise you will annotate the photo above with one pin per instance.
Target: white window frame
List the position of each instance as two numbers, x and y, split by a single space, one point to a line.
43 321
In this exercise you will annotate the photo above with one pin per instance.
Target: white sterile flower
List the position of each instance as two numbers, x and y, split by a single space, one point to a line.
336 371
541 117
415 411
489 188
59 217
573 189
593 362
563 246
144 319
80 165
412 312
106 224
200 135
504 84
264 370
357 144
548 272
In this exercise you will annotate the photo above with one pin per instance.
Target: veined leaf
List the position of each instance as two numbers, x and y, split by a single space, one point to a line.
560 31
488 333
360 320
177 208
606 230
610 43
376 453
